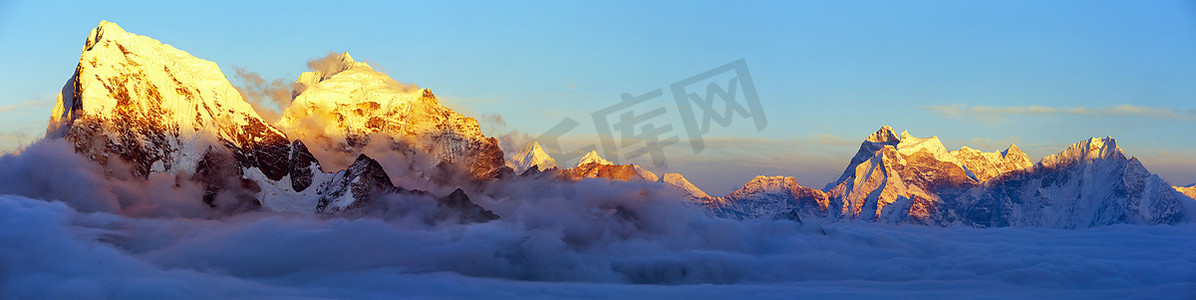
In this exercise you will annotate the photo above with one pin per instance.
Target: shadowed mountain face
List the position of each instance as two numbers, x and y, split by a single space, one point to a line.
903 179
137 106
1092 183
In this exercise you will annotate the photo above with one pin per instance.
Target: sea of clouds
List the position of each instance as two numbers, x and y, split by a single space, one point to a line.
69 231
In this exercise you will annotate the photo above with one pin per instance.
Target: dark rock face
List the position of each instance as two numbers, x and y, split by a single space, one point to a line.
531 172
488 160
457 205
221 177
358 188
302 166
262 148
363 181
790 215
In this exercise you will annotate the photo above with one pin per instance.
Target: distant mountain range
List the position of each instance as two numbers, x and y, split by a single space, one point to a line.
137 107
905 179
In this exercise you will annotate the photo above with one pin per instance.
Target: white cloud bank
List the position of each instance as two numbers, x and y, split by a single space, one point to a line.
87 236
49 250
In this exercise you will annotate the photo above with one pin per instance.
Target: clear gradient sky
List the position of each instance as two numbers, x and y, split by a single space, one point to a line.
978 73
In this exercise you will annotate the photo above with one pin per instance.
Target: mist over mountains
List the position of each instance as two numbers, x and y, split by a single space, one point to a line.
156 165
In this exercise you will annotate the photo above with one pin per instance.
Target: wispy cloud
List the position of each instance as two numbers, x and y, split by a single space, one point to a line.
35 103
992 113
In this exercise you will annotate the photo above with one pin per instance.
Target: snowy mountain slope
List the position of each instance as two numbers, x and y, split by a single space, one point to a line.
532 155
593 157
905 179
137 106
157 108
986 165
908 145
345 105
897 180
594 166
1189 191
766 197
678 182
1091 183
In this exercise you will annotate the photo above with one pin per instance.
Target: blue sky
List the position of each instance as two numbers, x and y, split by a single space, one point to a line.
978 73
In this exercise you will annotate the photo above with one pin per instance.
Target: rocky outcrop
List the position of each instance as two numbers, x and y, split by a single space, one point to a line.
458 206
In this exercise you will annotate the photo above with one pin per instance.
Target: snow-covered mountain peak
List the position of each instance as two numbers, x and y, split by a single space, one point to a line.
1087 150
343 105
765 196
593 157
900 181
154 106
910 145
1013 149
532 155
104 30
884 135
983 166
678 181
328 67
768 184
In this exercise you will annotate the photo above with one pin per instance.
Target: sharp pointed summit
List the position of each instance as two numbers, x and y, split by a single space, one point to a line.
676 180
531 156
593 157
169 98
884 135
326 68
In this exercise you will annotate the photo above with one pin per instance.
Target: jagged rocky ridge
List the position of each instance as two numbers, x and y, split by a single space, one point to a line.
137 106
768 196
904 179
590 166
899 178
